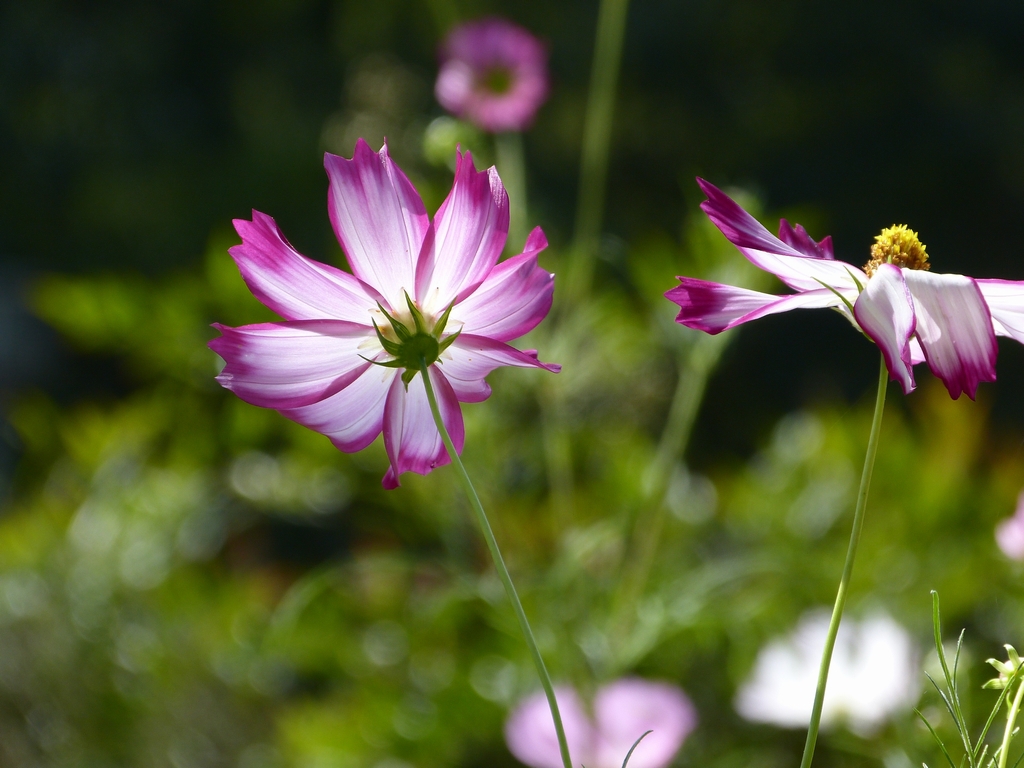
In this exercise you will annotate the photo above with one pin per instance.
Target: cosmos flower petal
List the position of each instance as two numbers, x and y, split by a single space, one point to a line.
470 358
626 708
771 254
885 312
353 417
378 218
291 285
290 364
1005 299
955 328
714 307
512 299
797 238
470 230
410 435
530 731
916 352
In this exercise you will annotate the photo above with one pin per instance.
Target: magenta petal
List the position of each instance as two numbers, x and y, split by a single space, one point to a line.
713 307
351 418
885 312
512 299
470 230
769 253
1005 299
286 365
628 707
378 218
295 287
410 435
954 325
530 731
797 238
470 358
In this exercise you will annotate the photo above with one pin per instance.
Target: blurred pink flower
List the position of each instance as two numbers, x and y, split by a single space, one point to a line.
494 74
913 315
1010 532
344 360
623 711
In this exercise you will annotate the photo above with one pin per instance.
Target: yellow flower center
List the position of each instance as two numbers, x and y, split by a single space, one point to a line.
897 245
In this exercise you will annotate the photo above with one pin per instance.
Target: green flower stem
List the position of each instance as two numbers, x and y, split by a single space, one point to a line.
512 166
499 564
597 132
851 553
1011 720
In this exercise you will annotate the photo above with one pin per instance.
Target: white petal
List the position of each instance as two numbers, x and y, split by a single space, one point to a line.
885 312
954 325
379 220
1005 299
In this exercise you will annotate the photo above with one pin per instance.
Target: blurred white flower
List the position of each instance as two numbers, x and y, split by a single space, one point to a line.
874 674
1010 532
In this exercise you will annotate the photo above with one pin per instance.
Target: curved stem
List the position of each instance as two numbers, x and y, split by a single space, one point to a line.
499 564
1011 720
851 553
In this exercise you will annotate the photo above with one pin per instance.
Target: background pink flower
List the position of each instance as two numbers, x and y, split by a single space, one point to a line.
1010 532
494 74
623 711
343 361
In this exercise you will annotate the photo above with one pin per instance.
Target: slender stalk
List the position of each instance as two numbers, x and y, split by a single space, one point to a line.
499 564
512 167
597 131
851 553
1011 720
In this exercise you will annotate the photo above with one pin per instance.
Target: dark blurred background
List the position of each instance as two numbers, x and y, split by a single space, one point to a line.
131 131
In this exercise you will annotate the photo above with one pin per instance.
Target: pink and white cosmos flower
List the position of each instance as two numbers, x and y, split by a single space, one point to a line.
914 316
623 711
344 359
494 74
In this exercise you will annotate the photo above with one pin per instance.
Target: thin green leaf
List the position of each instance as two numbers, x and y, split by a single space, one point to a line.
935 736
630 753
842 298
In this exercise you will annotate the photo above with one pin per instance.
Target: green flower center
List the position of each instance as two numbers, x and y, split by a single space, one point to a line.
497 80
415 348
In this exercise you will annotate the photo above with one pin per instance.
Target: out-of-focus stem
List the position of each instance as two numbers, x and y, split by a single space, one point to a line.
512 167
499 564
694 368
851 553
597 131
1011 720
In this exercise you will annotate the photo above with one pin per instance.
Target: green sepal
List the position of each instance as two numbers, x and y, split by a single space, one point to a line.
442 321
401 331
417 315
391 347
408 375
385 364
447 341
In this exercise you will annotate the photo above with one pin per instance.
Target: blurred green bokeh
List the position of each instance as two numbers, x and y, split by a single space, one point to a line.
190 581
